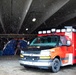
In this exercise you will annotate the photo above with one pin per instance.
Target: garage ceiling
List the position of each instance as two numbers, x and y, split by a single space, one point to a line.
16 15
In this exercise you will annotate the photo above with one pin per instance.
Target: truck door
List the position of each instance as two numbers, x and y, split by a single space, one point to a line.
67 57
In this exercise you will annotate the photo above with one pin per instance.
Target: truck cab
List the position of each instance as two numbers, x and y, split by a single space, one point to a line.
50 50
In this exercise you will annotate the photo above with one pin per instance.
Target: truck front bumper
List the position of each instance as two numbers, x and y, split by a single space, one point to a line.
39 63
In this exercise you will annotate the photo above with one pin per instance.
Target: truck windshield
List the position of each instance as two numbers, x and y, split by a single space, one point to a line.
45 41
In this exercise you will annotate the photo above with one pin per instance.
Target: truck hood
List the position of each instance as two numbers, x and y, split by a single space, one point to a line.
37 48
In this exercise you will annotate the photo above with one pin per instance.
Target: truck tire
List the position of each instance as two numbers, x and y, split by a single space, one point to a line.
26 67
55 67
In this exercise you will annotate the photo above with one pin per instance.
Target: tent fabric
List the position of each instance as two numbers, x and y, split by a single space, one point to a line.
10 47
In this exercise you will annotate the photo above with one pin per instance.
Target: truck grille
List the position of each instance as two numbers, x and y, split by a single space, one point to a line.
31 58
32 52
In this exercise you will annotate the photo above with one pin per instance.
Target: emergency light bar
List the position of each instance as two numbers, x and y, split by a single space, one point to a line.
63 30
53 30
48 31
44 32
58 30
40 32
74 30
68 30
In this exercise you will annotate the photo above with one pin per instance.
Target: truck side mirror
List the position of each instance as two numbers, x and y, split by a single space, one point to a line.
68 43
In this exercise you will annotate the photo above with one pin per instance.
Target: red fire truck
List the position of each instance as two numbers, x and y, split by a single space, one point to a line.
51 49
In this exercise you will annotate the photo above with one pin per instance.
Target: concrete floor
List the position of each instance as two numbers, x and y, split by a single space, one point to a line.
9 65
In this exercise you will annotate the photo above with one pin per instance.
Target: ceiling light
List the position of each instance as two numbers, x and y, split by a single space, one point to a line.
26 29
34 19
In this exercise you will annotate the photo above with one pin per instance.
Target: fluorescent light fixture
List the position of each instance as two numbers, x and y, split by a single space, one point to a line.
34 19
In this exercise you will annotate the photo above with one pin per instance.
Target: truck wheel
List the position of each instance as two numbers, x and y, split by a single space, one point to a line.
26 67
55 66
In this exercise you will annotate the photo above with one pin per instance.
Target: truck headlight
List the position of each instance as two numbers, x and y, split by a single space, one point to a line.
45 54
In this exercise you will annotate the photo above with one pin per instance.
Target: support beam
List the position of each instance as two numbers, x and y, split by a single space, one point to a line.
2 25
1 7
27 6
64 19
26 36
53 8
